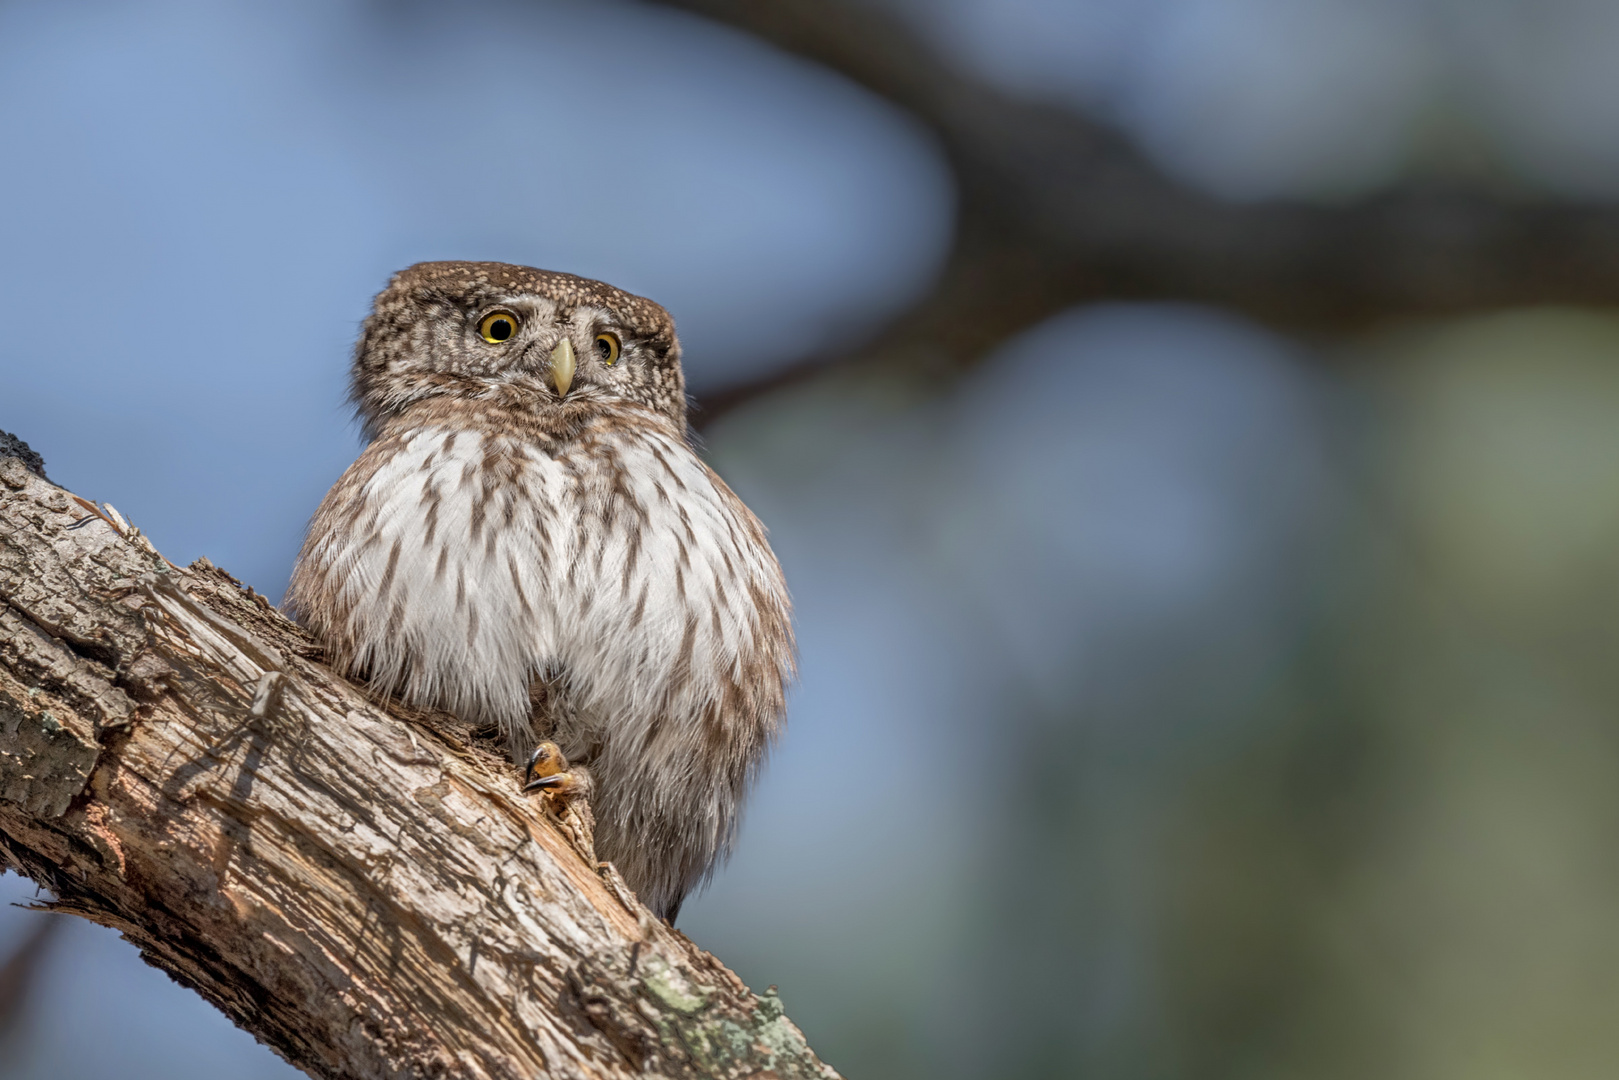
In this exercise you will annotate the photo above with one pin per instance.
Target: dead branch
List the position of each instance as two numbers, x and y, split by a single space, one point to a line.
362 888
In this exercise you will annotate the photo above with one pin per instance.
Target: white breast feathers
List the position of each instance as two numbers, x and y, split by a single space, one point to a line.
453 567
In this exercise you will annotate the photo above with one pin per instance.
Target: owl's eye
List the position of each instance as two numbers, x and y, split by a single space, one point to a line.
497 326
607 347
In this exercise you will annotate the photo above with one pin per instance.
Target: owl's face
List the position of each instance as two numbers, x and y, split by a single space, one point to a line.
535 339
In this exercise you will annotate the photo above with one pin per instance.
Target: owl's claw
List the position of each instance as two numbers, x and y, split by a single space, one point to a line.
558 785
548 771
564 796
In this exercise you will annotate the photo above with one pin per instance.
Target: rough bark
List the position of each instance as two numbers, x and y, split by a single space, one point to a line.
361 887
1057 209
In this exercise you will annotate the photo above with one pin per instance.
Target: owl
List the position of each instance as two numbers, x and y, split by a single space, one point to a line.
529 540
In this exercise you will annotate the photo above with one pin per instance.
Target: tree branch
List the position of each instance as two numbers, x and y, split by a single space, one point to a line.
1058 210
362 888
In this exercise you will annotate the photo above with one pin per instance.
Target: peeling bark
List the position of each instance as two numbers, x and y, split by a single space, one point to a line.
362 887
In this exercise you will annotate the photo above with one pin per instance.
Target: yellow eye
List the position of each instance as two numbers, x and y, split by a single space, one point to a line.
607 348
497 326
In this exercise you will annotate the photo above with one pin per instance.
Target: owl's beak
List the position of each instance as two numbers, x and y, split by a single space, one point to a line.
562 364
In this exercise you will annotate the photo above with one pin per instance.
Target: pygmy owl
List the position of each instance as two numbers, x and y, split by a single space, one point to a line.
530 540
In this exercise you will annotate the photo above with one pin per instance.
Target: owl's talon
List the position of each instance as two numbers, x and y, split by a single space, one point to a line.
557 784
548 771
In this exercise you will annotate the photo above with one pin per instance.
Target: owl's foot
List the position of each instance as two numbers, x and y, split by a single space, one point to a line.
548 772
565 794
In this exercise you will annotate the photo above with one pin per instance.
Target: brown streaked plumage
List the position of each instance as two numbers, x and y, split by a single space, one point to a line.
530 540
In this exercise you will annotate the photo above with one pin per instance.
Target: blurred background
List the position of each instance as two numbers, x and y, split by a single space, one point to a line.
1190 429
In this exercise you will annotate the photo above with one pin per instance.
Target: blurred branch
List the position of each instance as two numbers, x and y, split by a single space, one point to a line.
363 889
20 972
1057 210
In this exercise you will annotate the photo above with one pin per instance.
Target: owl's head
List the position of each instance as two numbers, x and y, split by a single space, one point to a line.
535 339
